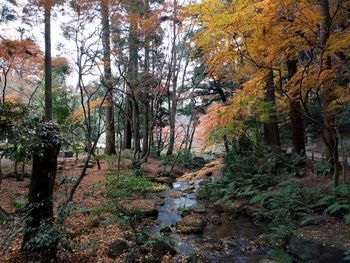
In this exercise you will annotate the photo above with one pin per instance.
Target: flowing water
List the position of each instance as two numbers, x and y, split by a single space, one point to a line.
229 241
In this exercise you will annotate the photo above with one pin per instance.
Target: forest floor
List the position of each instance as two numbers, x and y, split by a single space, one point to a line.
91 228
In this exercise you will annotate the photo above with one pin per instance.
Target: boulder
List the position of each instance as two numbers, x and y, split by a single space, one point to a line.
315 252
163 180
321 244
166 230
117 248
175 194
191 224
145 207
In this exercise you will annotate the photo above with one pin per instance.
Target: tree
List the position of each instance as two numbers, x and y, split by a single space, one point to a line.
271 132
241 38
173 101
110 130
40 197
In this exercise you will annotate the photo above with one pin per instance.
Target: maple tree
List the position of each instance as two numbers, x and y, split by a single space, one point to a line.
292 40
20 59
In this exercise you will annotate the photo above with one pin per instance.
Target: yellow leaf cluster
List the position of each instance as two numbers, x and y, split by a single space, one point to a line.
78 115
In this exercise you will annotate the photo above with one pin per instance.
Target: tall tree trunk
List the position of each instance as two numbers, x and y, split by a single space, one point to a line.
40 197
298 131
173 109
136 129
146 100
271 131
110 129
329 130
48 64
42 181
145 138
127 129
133 76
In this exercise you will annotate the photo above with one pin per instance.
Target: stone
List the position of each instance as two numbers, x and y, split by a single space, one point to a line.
191 224
201 211
177 172
175 194
315 252
232 207
190 189
158 249
162 248
163 180
166 230
197 258
145 207
94 222
117 248
214 220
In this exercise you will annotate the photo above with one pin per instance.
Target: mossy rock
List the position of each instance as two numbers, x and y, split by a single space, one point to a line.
142 207
321 244
155 250
117 248
191 224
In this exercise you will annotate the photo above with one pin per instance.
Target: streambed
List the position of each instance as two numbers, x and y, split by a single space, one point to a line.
223 238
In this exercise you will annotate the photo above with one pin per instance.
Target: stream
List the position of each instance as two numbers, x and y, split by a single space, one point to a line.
227 240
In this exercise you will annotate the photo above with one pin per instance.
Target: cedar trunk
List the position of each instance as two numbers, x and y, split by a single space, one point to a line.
110 129
42 181
296 118
271 131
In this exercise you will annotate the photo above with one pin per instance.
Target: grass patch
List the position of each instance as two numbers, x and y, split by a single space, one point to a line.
18 204
119 185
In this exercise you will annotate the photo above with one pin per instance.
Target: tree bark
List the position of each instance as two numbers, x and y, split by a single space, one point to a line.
172 119
133 77
127 129
146 100
271 131
41 189
110 129
136 129
48 64
329 131
296 118
42 181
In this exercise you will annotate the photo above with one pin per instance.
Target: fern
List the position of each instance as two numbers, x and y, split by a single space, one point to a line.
336 207
278 255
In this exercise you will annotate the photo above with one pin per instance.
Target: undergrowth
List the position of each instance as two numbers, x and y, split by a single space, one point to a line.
269 180
118 185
